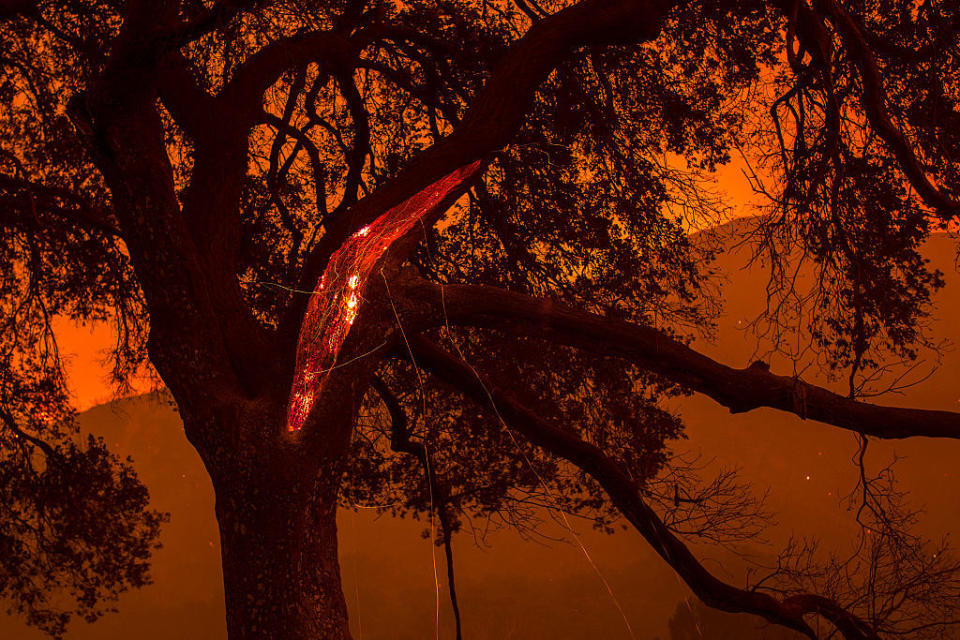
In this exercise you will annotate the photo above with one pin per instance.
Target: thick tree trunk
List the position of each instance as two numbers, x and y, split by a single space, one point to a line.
280 566
276 498
276 509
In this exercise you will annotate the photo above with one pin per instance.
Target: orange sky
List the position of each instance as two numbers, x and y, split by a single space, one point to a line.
84 349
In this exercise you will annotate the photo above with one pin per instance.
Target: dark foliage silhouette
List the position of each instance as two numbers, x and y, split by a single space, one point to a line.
196 172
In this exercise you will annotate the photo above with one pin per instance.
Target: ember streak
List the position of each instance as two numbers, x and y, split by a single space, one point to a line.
336 299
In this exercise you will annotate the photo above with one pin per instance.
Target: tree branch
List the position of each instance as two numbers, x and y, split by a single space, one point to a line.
49 199
11 423
498 109
217 16
400 442
873 99
361 141
740 390
189 332
244 93
193 108
623 493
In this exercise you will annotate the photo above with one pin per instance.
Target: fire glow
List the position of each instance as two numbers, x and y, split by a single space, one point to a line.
335 302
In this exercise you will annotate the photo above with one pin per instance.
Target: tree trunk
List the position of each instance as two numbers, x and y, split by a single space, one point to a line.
278 533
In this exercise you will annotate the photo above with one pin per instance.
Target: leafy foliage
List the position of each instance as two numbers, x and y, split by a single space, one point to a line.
591 203
76 531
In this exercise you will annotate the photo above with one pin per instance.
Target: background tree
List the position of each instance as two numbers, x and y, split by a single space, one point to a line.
191 170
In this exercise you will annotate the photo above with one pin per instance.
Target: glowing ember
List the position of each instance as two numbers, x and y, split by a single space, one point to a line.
334 304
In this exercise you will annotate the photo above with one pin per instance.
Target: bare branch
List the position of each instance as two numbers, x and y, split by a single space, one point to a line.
740 390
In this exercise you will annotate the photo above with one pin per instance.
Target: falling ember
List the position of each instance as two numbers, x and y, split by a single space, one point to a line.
334 304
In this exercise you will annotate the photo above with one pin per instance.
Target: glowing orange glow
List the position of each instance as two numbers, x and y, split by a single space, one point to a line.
335 302
44 416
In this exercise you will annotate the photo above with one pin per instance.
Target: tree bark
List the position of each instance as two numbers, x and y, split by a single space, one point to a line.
278 534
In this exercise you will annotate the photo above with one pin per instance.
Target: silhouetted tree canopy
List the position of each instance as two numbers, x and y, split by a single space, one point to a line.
186 169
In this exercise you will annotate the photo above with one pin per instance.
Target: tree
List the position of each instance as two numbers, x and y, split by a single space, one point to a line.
252 190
